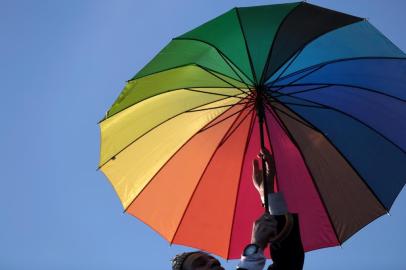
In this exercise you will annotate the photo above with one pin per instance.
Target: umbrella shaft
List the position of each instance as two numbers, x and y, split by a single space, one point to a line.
261 118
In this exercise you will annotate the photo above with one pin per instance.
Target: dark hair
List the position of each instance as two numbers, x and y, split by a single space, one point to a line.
178 260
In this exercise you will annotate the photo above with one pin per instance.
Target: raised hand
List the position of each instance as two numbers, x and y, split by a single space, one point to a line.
257 175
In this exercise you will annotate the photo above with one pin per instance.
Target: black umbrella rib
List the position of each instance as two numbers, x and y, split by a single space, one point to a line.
234 70
303 105
170 90
268 58
246 46
341 60
160 71
286 68
205 69
199 182
268 133
281 94
210 126
217 107
181 66
230 132
269 105
211 45
145 133
325 85
213 73
354 118
295 80
293 140
250 130
197 90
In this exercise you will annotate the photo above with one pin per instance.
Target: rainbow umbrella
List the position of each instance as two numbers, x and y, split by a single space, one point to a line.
325 91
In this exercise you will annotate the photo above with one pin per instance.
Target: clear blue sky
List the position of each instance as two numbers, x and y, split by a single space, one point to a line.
62 64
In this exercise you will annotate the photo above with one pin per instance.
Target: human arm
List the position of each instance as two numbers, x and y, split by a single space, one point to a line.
263 229
286 248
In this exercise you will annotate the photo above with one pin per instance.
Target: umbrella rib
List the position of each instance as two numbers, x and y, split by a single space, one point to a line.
268 102
163 122
291 117
268 133
343 156
280 123
354 118
303 105
170 90
199 182
246 46
217 107
270 107
268 58
186 65
325 85
281 94
232 68
194 39
162 70
229 133
218 77
295 80
212 93
286 68
341 60
210 126
250 130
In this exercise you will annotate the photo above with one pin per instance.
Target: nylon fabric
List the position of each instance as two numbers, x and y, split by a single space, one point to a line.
260 25
186 52
377 161
178 78
120 130
211 209
384 75
132 169
349 202
221 32
295 182
360 39
304 24
164 200
385 114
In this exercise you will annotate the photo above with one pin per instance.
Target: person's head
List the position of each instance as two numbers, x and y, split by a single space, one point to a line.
195 261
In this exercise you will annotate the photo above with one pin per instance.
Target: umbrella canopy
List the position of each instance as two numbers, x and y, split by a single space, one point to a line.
178 142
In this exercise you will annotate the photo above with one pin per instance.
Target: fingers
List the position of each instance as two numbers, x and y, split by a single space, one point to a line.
256 173
264 228
269 160
266 222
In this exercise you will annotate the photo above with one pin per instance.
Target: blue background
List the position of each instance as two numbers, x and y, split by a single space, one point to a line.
62 64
